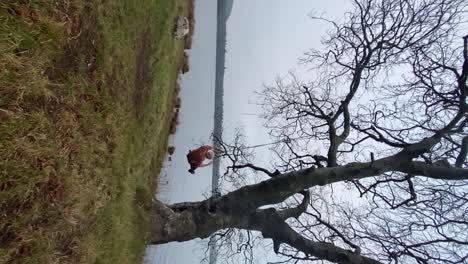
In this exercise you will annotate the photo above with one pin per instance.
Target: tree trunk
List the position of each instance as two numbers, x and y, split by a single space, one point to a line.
186 221
240 208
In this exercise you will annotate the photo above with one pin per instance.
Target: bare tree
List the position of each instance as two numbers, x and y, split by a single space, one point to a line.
382 119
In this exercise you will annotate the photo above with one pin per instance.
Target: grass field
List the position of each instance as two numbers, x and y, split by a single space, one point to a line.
86 94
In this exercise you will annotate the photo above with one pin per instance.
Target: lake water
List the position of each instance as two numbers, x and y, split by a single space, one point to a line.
196 125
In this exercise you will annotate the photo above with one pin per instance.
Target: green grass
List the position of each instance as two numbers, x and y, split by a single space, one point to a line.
80 143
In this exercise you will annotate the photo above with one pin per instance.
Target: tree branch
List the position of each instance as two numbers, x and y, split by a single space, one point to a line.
463 151
281 232
434 171
256 168
357 249
296 211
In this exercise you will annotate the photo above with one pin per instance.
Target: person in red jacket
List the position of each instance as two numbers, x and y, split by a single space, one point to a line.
196 157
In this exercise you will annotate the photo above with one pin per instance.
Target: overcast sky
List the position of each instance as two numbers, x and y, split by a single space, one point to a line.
265 38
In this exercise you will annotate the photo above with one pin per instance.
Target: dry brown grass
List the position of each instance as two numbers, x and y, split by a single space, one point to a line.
177 88
191 18
73 163
171 150
174 122
176 104
40 153
185 63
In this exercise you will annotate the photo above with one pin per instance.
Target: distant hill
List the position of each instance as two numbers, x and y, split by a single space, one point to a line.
224 9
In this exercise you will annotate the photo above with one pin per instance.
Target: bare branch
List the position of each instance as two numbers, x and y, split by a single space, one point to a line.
256 168
435 171
296 211
280 232
463 151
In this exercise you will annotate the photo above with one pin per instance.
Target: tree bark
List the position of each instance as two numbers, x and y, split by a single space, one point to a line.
186 221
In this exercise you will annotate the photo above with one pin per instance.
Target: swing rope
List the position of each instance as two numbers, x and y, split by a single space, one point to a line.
287 140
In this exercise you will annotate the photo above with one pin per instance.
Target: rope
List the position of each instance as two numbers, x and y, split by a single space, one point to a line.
287 140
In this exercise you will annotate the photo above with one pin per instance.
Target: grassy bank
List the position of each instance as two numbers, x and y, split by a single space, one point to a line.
86 92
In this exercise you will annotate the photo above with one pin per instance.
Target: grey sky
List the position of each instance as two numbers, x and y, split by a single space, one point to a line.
265 39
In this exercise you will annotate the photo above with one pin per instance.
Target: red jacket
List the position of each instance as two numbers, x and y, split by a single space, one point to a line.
196 157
